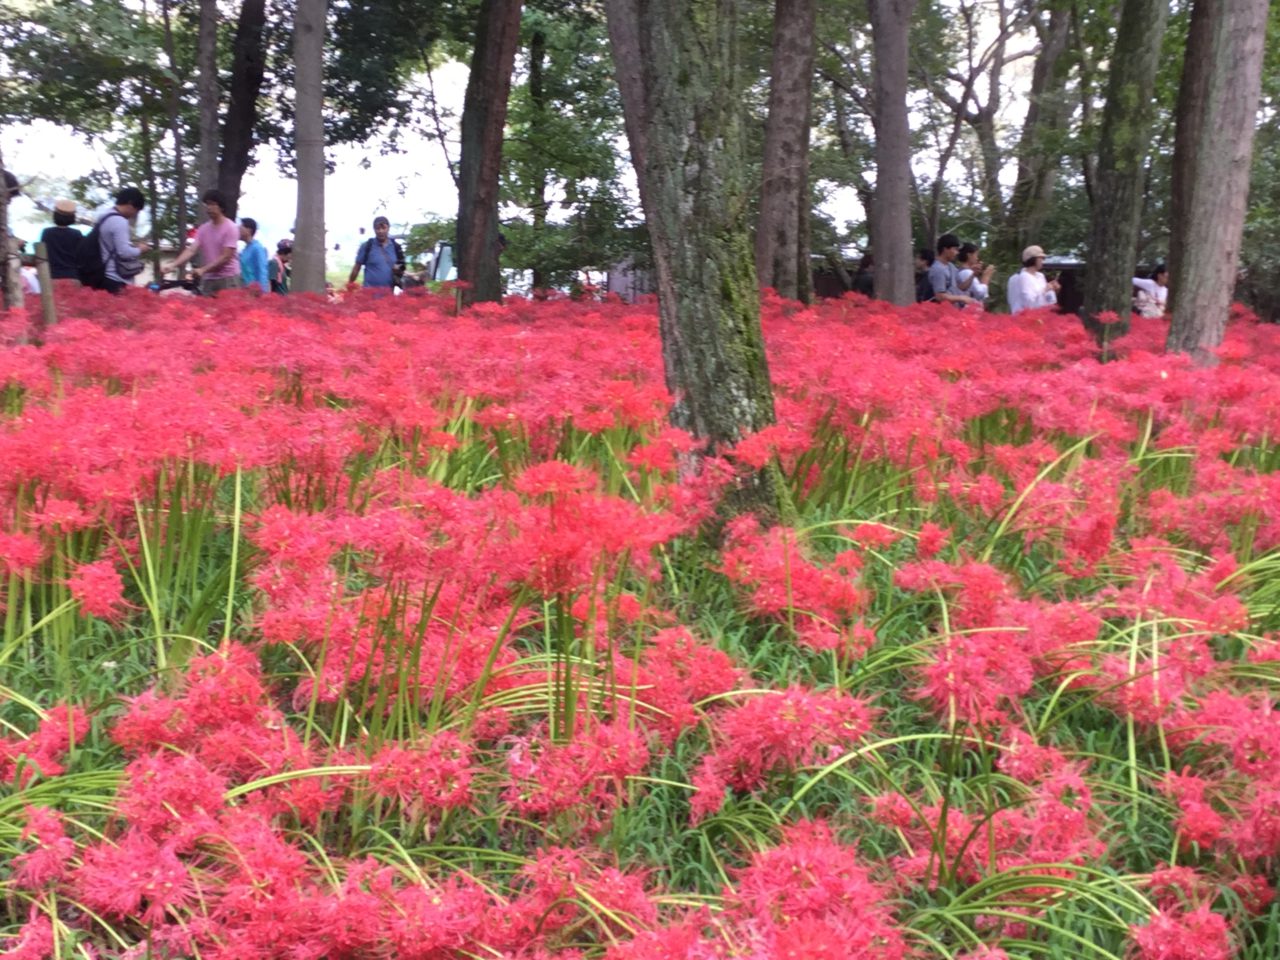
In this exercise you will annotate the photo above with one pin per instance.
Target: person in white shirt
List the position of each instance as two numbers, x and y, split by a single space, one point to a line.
1029 289
973 277
1151 298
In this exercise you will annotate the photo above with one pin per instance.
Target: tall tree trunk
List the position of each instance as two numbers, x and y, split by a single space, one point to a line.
1121 171
207 95
676 62
781 260
1039 155
484 114
1221 83
173 106
247 65
308 58
891 242
538 98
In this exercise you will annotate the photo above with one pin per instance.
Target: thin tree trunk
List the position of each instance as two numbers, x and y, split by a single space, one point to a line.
10 293
677 72
308 57
784 188
173 104
207 95
1122 154
1221 83
484 114
891 242
538 98
149 171
247 65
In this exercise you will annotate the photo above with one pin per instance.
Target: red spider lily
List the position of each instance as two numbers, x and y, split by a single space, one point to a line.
1195 934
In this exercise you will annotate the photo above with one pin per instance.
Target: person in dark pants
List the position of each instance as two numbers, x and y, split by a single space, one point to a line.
62 242
864 281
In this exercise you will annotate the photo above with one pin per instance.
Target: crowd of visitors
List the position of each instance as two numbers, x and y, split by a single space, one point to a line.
227 255
108 258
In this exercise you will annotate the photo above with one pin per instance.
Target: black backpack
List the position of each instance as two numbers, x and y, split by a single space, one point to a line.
89 266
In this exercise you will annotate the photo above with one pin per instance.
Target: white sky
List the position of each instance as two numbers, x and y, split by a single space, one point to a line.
407 187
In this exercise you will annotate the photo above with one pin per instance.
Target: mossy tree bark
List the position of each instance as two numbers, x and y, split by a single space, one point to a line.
781 248
1040 147
676 62
484 114
1122 155
1217 111
891 216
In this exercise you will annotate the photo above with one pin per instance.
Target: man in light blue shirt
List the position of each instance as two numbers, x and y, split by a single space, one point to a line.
253 258
942 273
381 258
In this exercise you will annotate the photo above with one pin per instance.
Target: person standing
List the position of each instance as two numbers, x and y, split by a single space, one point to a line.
62 243
924 260
253 258
942 273
972 277
381 258
1029 289
121 257
278 268
216 241
1152 297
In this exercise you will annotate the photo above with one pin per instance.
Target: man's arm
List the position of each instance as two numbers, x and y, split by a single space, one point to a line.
185 256
938 277
355 271
116 230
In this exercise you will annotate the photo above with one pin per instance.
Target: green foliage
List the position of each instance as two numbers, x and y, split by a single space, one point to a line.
561 166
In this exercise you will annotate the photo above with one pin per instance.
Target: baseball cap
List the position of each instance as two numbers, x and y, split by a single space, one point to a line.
65 206
1032 251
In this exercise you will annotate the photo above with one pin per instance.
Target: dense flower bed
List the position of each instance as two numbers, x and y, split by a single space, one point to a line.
367 630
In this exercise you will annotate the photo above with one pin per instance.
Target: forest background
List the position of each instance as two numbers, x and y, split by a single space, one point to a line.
1005 103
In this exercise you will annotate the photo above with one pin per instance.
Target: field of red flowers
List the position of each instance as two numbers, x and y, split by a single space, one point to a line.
371 631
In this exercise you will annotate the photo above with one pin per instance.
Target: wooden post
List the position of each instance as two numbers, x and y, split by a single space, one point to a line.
48 310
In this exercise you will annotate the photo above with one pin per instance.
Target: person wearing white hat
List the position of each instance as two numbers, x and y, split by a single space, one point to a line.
62 242
1029 289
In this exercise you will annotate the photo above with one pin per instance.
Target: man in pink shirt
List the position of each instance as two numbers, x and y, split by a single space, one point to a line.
216 241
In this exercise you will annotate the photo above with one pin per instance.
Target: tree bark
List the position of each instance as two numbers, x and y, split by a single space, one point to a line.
149 170
308 57
248 61
207 95
1121 171
173 106
782 261
484 114
676 63
538 98
1039 155
10 293
891 220
1221 84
